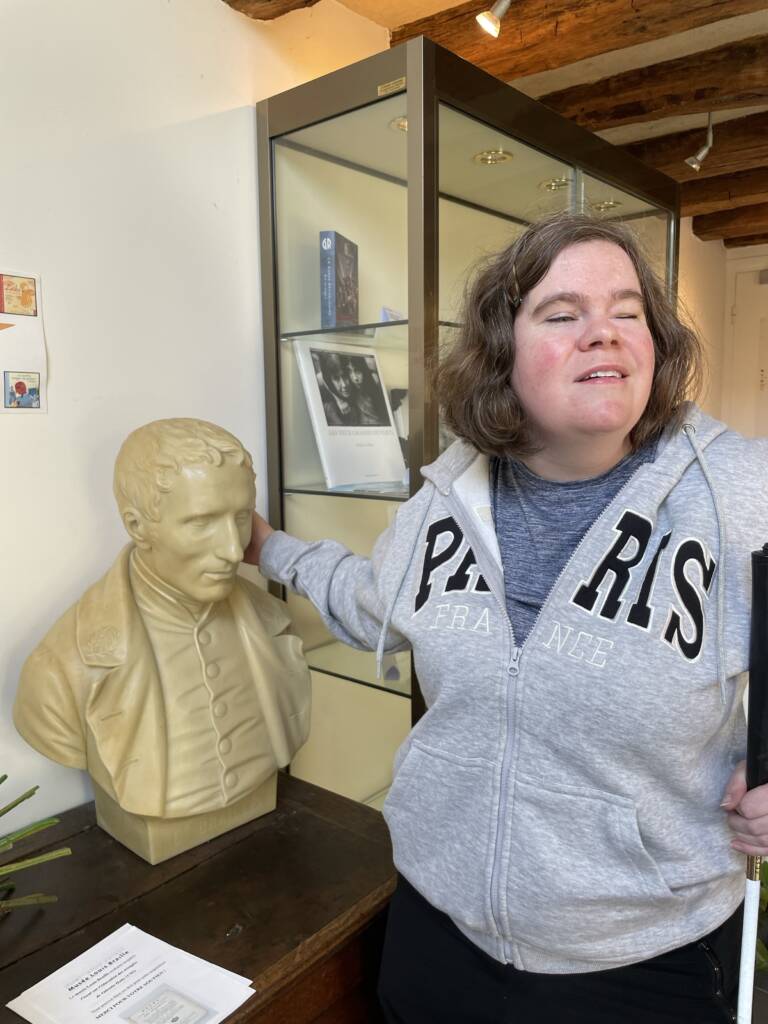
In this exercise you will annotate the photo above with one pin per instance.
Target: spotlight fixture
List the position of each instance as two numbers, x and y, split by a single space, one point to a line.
554 184
697 159
491 157
490 21
399 124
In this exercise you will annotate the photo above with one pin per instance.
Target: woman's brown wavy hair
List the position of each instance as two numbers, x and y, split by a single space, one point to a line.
474 380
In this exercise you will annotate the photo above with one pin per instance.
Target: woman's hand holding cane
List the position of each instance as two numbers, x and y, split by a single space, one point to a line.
748 814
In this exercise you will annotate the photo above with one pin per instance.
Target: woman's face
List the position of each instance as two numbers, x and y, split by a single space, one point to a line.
355 374
338 381
584 355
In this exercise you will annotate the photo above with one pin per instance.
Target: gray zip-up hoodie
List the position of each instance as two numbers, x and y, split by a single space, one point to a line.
560 800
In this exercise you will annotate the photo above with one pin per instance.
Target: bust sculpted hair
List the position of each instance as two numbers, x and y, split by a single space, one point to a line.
474 379
151 458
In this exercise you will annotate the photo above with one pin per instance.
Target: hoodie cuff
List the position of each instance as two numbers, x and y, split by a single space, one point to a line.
278 553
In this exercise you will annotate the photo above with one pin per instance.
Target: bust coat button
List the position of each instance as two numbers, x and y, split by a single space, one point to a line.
225 745
230 780
220 708
203 638
212 670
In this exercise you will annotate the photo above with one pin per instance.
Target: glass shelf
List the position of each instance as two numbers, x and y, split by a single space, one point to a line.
364 334
391 335
337 659
398 492
362 330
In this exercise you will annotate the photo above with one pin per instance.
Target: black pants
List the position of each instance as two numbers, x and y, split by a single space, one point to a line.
432 974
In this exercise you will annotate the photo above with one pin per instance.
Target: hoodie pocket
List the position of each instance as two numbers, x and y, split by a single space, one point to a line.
581 880
439 814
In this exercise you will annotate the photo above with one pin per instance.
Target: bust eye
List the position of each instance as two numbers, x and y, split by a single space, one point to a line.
199 521
244 518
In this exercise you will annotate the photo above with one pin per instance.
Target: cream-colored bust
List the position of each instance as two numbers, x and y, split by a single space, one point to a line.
173 681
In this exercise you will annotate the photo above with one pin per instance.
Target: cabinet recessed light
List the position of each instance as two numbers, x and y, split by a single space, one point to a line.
604 205
489 157
555 184
399 124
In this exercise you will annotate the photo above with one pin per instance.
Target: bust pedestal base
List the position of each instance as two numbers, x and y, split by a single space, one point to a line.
157 839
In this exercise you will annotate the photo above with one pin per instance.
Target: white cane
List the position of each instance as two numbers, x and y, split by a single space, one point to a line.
757 769
749 941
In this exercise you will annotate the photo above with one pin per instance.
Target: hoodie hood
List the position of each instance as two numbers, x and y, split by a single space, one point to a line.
673 446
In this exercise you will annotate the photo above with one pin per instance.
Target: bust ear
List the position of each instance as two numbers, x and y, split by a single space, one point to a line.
137 528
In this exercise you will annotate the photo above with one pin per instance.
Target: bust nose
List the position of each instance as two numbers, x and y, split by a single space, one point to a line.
228 545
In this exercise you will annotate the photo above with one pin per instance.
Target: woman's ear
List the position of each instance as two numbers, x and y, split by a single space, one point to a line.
137 528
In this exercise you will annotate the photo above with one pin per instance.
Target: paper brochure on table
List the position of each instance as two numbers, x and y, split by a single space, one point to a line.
23 360
133 978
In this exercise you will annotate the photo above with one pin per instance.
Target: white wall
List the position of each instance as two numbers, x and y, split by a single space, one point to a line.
701 290
128 183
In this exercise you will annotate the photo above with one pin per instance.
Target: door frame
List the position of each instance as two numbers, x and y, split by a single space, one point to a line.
738 261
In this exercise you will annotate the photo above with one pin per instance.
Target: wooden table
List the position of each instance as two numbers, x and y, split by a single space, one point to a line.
294 900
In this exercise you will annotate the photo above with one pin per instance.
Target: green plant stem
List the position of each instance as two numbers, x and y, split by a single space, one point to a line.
19 865
6 842
18 800
27 901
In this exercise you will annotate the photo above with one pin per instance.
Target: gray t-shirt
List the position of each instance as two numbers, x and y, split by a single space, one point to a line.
539 524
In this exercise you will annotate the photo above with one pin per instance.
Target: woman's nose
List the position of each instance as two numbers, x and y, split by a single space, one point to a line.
599 332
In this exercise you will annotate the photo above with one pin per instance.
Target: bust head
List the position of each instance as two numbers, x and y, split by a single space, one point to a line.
185 490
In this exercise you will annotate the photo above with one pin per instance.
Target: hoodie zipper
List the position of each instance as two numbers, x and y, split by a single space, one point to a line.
513 671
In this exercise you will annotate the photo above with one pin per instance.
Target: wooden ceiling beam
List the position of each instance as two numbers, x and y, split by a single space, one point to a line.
741 223
730 76
734 243
267 10
739 145
538 35
710 195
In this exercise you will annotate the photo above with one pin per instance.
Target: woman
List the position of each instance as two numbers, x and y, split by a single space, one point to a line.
573 578
338 405
366 393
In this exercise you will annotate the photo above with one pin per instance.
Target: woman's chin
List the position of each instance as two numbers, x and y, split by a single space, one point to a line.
607 418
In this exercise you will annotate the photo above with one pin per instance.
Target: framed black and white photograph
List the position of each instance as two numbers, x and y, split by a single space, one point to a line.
351 389
350 413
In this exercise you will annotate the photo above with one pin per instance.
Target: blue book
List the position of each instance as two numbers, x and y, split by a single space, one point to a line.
338 280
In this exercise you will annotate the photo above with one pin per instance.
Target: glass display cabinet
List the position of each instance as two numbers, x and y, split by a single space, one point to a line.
381 185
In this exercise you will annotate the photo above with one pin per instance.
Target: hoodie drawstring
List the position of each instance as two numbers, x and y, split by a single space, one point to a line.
690 432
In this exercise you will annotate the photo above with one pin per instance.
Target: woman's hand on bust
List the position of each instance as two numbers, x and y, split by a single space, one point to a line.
261 530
